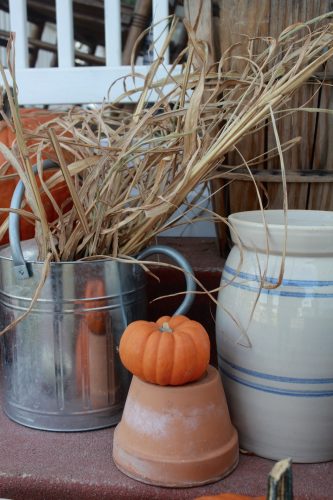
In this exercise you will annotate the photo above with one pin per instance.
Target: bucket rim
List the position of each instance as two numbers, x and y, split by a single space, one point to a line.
119 260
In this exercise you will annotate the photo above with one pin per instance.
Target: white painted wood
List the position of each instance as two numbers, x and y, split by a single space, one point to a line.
112 26
160 26
79 85
65 33
19 25
82 85
5 25
72 85
45 58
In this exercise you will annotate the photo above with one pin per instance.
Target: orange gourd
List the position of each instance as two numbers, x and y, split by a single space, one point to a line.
173 351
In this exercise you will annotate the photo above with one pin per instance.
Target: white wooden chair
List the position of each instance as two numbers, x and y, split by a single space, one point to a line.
70 84
67 84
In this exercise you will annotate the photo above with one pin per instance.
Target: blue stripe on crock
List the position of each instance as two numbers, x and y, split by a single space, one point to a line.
277 390
277 378
281 293
285 282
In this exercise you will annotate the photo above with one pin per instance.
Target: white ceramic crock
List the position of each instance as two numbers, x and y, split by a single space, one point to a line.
275 343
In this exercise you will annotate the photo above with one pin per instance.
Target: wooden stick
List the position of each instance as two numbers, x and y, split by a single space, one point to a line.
275 175
139 23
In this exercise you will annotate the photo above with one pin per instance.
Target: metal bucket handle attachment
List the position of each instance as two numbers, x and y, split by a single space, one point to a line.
184 264
20 266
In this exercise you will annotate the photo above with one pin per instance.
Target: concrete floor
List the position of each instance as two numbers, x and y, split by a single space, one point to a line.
40 465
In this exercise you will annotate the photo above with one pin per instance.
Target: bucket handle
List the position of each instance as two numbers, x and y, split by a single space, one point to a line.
184 264
20 266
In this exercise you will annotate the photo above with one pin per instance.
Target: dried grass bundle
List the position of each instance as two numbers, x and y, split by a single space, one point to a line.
129 169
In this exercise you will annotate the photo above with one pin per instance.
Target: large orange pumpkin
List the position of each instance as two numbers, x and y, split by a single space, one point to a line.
30 119
173 351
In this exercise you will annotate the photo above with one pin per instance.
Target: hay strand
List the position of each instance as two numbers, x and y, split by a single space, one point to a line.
131 168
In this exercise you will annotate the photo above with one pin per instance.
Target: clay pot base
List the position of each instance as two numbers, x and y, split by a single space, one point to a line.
176 436
158 471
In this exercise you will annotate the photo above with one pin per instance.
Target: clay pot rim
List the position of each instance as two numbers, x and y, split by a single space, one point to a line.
182 386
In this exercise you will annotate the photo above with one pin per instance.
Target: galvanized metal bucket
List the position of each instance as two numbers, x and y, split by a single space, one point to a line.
60 365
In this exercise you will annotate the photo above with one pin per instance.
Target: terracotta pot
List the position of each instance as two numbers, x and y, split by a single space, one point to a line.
176 436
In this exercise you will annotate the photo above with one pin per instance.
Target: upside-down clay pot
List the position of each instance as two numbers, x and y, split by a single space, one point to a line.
176 436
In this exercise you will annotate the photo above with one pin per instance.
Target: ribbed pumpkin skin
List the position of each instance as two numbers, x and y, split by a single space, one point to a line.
163 357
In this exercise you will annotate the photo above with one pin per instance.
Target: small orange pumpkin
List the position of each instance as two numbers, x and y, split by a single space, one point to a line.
173 351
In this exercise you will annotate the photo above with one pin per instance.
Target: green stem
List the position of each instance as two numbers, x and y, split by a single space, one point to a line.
166 328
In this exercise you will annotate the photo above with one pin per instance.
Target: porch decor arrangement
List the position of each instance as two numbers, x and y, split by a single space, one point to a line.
175 429
127 171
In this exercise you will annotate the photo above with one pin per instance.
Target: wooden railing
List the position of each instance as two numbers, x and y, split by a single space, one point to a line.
70 84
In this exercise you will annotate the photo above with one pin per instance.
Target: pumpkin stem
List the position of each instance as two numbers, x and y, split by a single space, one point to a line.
166 327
